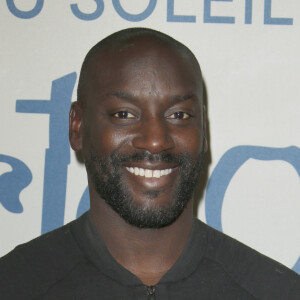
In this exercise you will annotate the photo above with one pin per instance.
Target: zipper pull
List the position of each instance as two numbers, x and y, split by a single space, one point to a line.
151 292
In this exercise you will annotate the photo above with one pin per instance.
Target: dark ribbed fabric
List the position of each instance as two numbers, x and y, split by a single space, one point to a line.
73 262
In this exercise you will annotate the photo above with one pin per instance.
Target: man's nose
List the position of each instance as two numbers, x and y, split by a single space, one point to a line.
154 135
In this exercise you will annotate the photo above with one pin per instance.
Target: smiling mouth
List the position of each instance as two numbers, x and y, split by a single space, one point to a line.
149 173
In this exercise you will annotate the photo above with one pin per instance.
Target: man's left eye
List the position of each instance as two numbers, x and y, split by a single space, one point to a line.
123 115
180 115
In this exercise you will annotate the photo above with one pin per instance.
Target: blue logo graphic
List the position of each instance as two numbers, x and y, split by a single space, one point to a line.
84 203
229 164
12 183
151 5
57 160
58 154
88 16
25 14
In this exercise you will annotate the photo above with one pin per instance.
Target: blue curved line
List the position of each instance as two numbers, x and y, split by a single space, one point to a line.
25 14
228 165
13 182
134 17
84 203
88 16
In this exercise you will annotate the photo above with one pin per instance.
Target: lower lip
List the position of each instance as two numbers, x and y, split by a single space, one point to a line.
152 182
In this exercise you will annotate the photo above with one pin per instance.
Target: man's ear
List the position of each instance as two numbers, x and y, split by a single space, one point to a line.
75 122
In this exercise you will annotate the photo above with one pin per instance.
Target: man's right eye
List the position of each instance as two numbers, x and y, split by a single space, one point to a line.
123 115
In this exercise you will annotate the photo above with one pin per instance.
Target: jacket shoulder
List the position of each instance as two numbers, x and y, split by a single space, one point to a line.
31 268
262 276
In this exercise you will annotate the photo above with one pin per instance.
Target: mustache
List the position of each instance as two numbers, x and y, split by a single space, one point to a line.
179 158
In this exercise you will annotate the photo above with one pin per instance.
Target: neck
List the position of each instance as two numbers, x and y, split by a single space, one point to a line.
147 253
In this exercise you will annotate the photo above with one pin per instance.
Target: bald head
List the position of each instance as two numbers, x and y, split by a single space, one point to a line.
127 38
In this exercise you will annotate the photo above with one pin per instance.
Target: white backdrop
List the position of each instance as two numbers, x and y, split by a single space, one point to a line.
249 54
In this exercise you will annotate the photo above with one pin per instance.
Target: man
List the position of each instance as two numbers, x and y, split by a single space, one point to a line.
140 124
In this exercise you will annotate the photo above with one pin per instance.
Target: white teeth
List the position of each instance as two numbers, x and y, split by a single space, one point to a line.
156 173
149 173
136 171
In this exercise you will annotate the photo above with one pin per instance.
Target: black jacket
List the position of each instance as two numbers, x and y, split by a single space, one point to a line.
72 262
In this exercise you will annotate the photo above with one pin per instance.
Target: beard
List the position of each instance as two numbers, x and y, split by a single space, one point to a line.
107 175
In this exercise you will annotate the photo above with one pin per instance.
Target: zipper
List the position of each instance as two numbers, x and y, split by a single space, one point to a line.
151 292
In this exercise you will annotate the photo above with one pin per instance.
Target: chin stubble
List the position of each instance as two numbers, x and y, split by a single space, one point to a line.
107 175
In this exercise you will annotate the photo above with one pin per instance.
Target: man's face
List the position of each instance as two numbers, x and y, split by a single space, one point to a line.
142 131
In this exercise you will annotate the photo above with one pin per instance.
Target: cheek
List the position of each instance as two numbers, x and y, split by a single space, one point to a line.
107 139
189 140
111 140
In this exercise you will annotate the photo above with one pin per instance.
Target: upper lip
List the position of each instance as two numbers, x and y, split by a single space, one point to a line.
150 165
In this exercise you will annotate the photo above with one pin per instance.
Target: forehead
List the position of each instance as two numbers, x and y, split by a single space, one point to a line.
142 66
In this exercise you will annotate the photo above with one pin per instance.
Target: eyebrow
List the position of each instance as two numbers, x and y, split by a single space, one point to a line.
182 98
172 99
122 95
